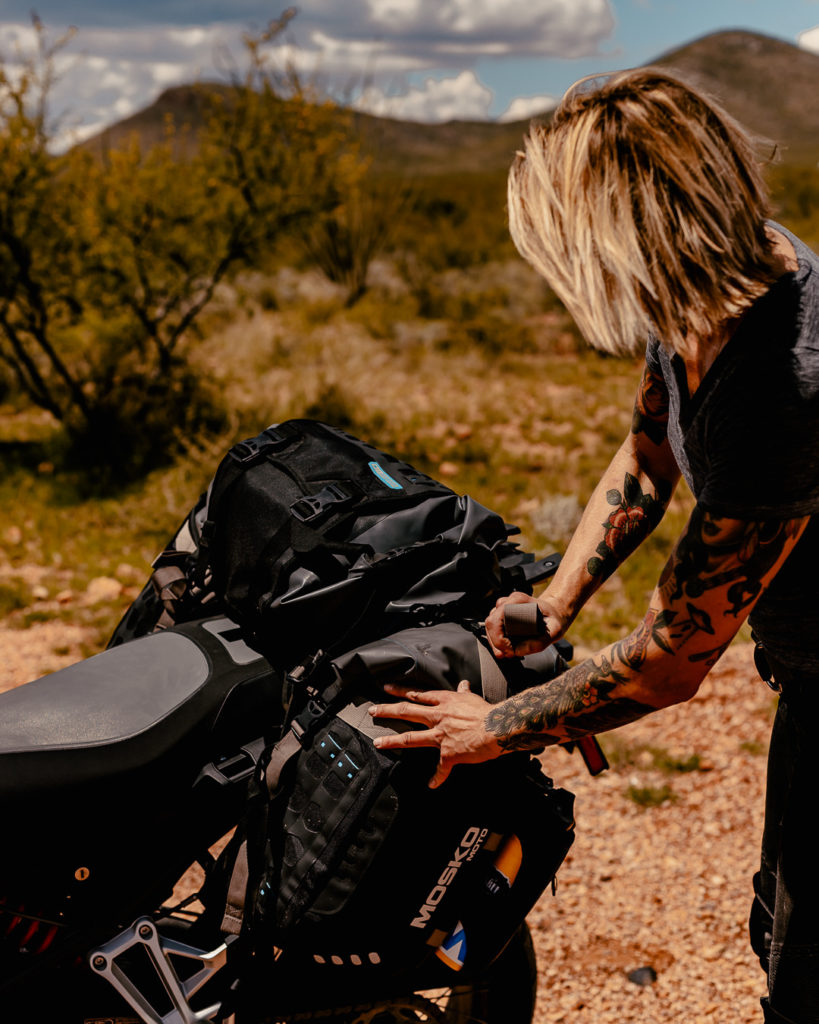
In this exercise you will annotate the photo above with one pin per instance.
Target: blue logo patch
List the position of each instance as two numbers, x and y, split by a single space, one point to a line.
453 949
385 477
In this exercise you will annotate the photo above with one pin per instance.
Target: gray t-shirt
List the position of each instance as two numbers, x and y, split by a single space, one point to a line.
747 443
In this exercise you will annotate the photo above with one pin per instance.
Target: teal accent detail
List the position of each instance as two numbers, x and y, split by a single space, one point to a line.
385 477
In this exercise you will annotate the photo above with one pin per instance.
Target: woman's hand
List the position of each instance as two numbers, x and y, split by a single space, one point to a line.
502 646
455 724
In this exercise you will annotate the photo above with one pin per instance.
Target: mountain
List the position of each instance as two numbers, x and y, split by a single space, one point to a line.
769 85
456 146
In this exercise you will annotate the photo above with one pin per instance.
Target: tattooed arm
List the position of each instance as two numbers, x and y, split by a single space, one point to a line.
715 575
627 504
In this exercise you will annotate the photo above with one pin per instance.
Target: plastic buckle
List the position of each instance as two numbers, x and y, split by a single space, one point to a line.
305 722
254 447
763 667
313 506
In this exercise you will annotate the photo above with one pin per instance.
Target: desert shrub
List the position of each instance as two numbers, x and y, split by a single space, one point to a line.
650 796
340 408
345 240
108 261
492 334
795 193
456 221
13 596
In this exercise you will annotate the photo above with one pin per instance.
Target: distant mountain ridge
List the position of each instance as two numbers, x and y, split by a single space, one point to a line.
769 85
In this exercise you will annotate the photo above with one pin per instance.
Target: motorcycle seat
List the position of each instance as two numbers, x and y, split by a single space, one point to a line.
122 709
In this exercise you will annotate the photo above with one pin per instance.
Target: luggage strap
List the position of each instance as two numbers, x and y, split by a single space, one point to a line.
493 682
524 622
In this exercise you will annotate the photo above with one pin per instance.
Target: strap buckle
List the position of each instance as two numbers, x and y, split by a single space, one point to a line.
248 451
764 668
313 506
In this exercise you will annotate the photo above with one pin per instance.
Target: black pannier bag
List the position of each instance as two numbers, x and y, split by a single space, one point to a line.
310 537
356 865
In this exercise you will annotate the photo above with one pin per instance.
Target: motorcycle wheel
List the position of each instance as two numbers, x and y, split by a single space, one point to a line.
504 995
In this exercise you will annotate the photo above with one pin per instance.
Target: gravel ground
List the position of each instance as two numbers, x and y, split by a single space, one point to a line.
669 886
665 886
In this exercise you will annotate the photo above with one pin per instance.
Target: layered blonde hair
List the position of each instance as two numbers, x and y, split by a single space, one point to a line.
642 204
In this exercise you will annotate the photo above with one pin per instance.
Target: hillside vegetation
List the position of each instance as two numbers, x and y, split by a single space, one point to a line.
394 307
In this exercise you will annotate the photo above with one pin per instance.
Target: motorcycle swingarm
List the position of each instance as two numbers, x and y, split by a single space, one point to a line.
110 962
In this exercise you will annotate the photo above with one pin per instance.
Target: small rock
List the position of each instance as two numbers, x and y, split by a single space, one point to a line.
65 596
13 535
448 469
39 593
103 588
643 976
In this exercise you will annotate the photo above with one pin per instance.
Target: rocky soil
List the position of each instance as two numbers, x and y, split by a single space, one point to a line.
659 877
665 887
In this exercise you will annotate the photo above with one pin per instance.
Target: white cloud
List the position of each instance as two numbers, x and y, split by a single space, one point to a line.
462 98
809 39
525 107
104 75
386 43
14 38
557 28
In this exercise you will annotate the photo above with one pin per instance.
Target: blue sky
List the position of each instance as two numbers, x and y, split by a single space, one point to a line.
417 59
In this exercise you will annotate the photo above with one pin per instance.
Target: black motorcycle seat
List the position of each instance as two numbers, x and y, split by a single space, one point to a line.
120 709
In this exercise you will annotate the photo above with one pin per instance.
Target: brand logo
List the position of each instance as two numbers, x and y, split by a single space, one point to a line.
385 477
467 848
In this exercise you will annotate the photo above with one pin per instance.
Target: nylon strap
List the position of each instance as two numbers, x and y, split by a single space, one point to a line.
494 686
170 583
523 621
286 748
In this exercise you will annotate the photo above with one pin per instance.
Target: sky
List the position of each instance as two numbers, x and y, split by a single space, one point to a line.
422 60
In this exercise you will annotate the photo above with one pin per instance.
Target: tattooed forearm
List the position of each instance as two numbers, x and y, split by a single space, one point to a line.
580 701
716 571
607 716
634 516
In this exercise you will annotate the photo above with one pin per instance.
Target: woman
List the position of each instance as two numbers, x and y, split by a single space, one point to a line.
643 206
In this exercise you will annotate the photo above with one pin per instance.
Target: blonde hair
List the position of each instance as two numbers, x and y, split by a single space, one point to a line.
643 206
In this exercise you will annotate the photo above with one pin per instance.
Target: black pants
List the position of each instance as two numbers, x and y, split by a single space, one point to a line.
785 915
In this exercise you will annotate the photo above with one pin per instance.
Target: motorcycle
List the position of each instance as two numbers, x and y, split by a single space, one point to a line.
116 775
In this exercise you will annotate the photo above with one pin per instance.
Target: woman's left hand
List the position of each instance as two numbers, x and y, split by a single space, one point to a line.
455 724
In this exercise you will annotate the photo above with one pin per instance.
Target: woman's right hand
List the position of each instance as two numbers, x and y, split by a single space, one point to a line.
502 646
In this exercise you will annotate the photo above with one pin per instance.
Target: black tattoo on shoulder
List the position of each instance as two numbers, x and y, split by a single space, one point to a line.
714 554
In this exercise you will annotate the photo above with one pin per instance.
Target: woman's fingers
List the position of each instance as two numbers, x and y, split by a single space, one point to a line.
406 712
403 740
442 772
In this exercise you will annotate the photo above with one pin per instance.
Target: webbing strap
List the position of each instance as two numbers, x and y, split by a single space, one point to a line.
494 686
170 583
286 748
237 893
523 621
